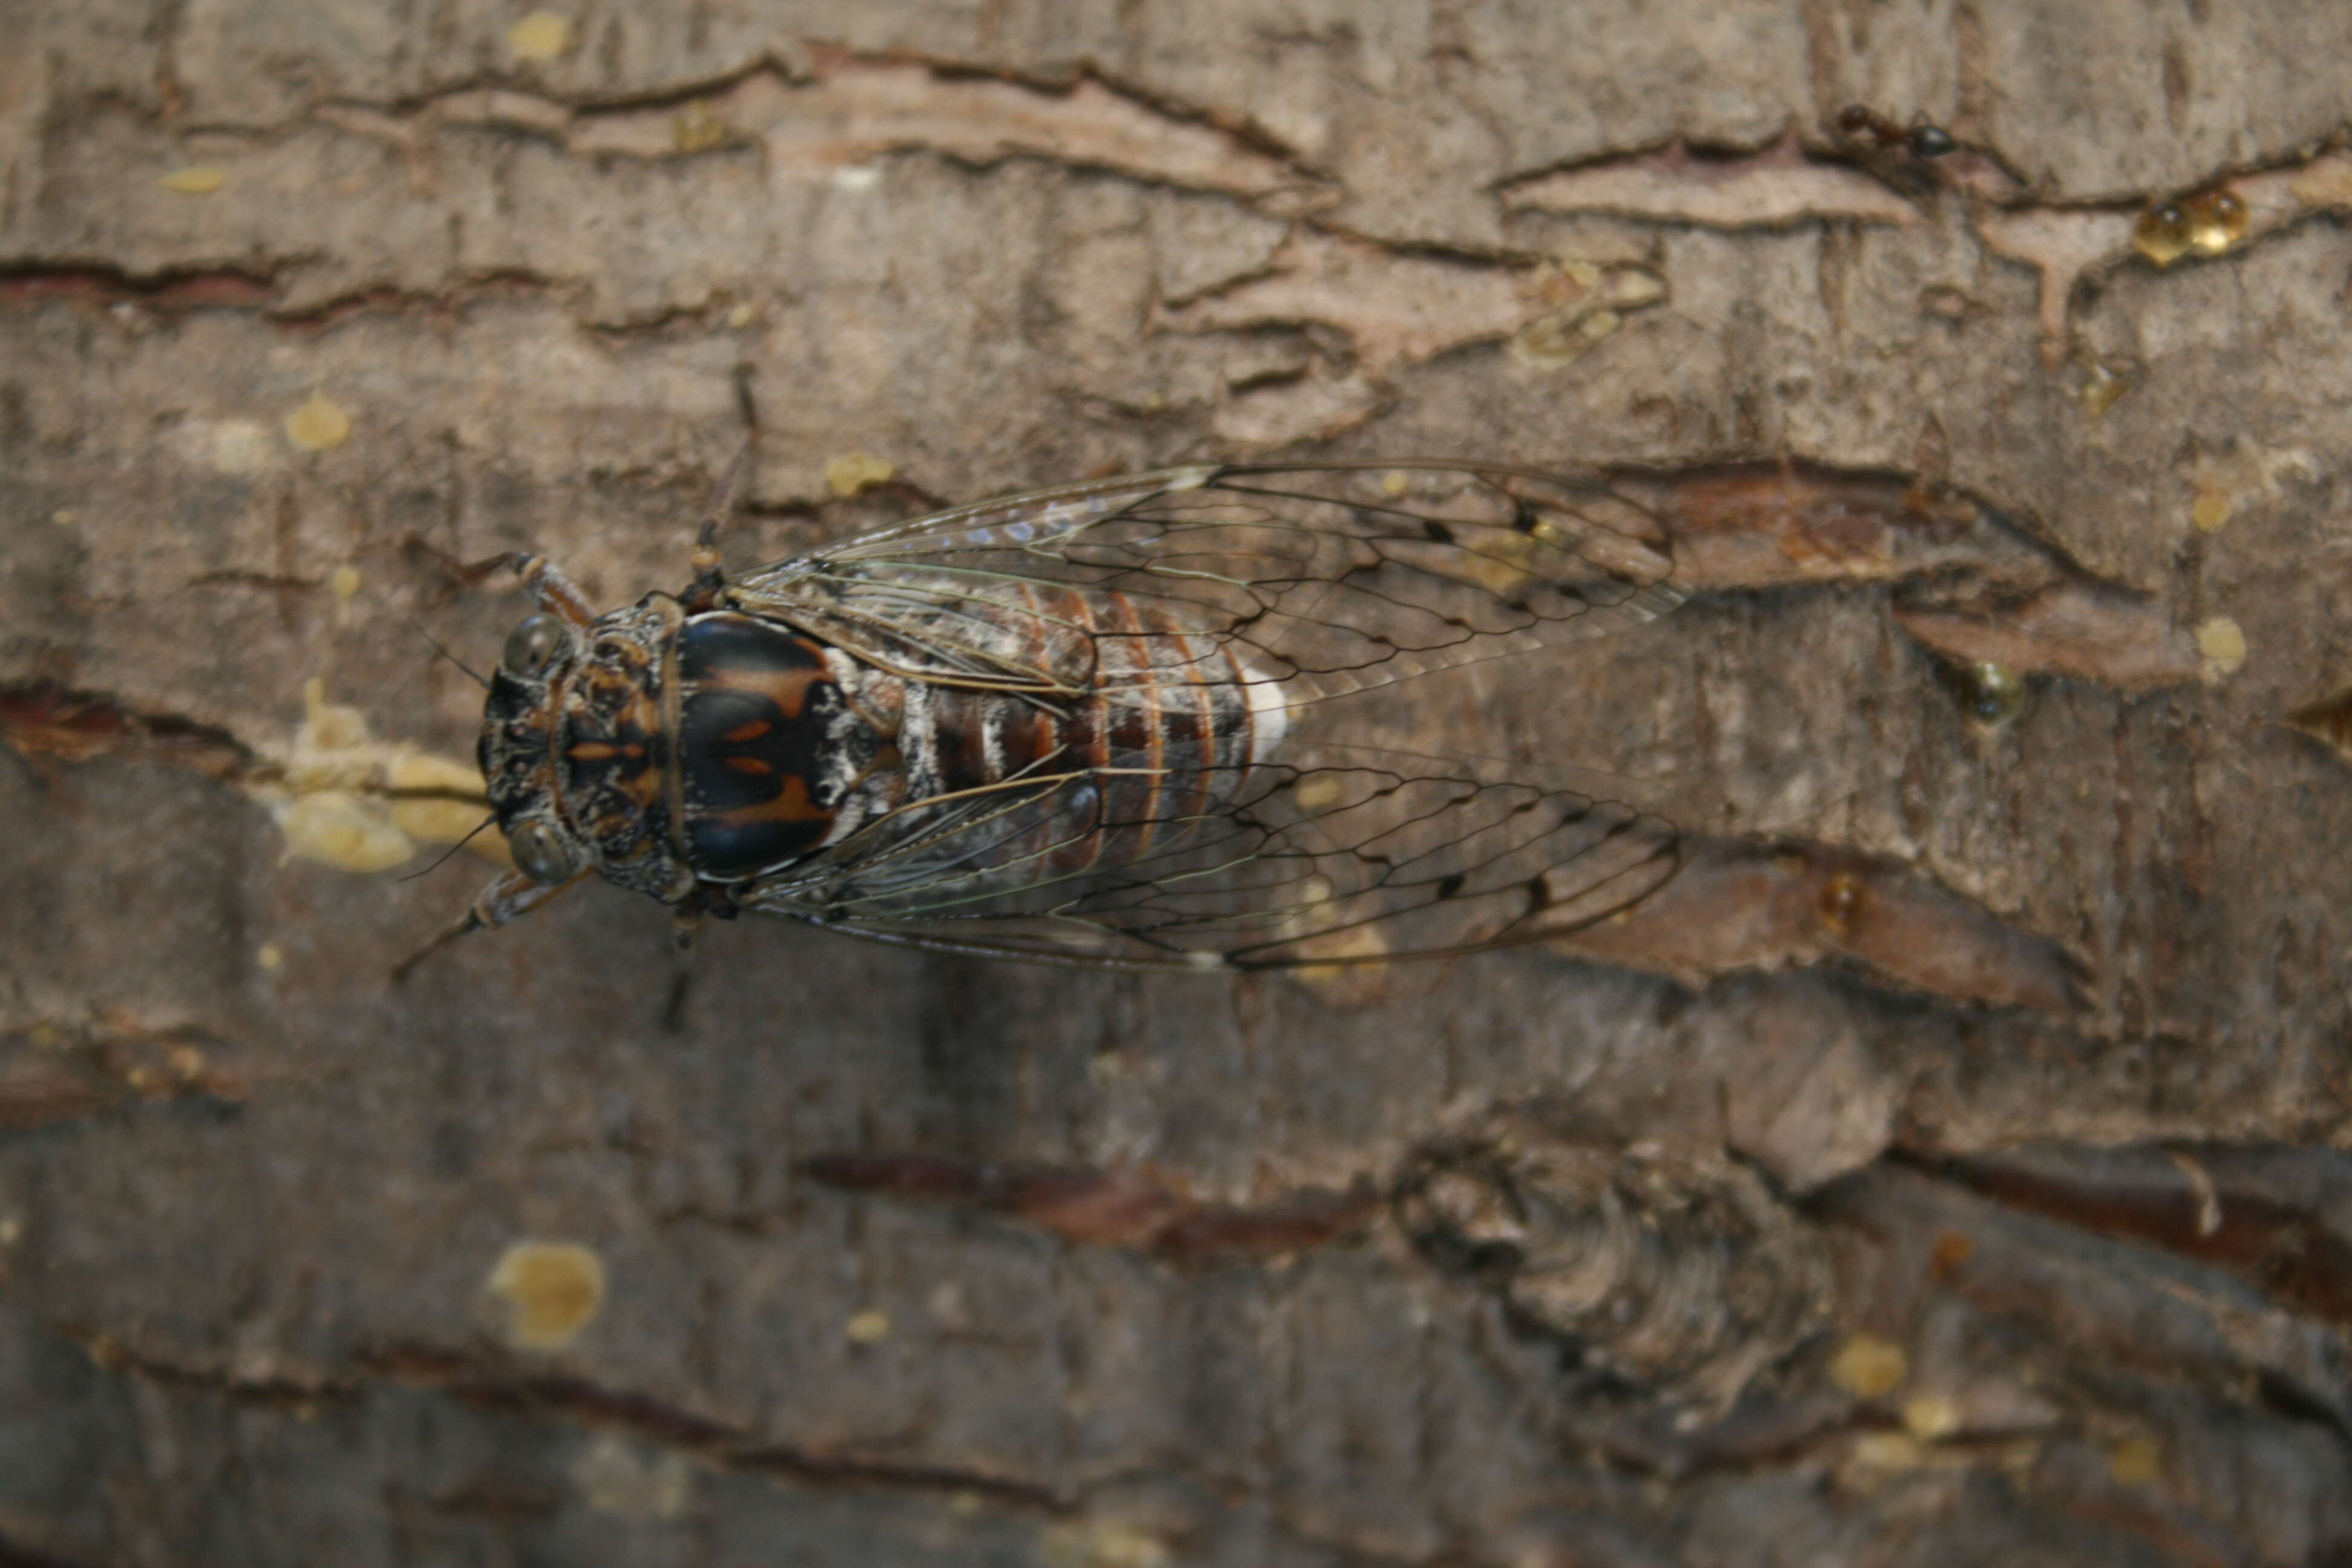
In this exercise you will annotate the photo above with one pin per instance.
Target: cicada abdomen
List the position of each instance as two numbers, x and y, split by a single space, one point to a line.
963 790
1095 724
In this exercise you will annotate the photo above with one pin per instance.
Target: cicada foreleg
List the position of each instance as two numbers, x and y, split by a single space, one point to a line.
553 591
548 588
510 896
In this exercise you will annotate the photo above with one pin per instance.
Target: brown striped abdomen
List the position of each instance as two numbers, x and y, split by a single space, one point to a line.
1168 729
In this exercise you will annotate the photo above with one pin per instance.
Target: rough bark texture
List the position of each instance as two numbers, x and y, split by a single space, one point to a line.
1949 1176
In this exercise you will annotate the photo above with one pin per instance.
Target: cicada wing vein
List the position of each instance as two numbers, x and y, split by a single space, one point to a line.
1336 855
1328 578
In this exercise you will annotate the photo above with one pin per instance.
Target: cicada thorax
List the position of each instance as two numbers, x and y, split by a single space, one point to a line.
768 748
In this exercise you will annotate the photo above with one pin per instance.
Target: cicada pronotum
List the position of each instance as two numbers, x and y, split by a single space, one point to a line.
1093 724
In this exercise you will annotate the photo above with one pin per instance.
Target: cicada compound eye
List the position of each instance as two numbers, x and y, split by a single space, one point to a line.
539 854
534 645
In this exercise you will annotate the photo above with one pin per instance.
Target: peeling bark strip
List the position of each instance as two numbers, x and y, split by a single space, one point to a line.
168 292
1976 586
1089 1206
2126 1305
2068 245
1770 189
2279 1218
1403 307
42 720
859 107
1741 905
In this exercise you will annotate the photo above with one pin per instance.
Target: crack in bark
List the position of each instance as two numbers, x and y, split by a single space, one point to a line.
1776 186
588 1404
576 1401
339 796
1098 1206
170 290
42 720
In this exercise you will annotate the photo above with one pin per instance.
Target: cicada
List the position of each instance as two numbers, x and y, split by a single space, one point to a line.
1098 724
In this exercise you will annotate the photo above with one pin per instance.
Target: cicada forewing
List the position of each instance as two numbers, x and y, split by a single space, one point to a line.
1282 588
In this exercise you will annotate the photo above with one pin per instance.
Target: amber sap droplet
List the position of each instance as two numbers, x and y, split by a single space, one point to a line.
541 36
2162 233
694 129
1990 694
2102 386
550 1289
1930 1417
1840 901
1869 1367
2216 221
2134 1462
849 474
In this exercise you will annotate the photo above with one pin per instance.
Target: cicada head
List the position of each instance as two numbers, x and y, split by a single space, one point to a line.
575 752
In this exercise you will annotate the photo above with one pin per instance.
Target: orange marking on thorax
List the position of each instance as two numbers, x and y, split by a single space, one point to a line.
791 803
603 751
788 690
645 787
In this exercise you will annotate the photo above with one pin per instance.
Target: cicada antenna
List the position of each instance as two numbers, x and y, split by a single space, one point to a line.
443 859
437 646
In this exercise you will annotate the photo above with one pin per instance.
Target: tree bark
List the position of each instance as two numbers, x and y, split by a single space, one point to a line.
1943 1167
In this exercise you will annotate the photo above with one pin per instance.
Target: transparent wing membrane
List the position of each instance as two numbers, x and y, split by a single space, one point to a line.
1327 579
1301 584
1346 857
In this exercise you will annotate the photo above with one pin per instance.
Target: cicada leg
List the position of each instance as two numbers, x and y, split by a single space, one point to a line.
551 589
709 580
546 584
685 925
511 895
